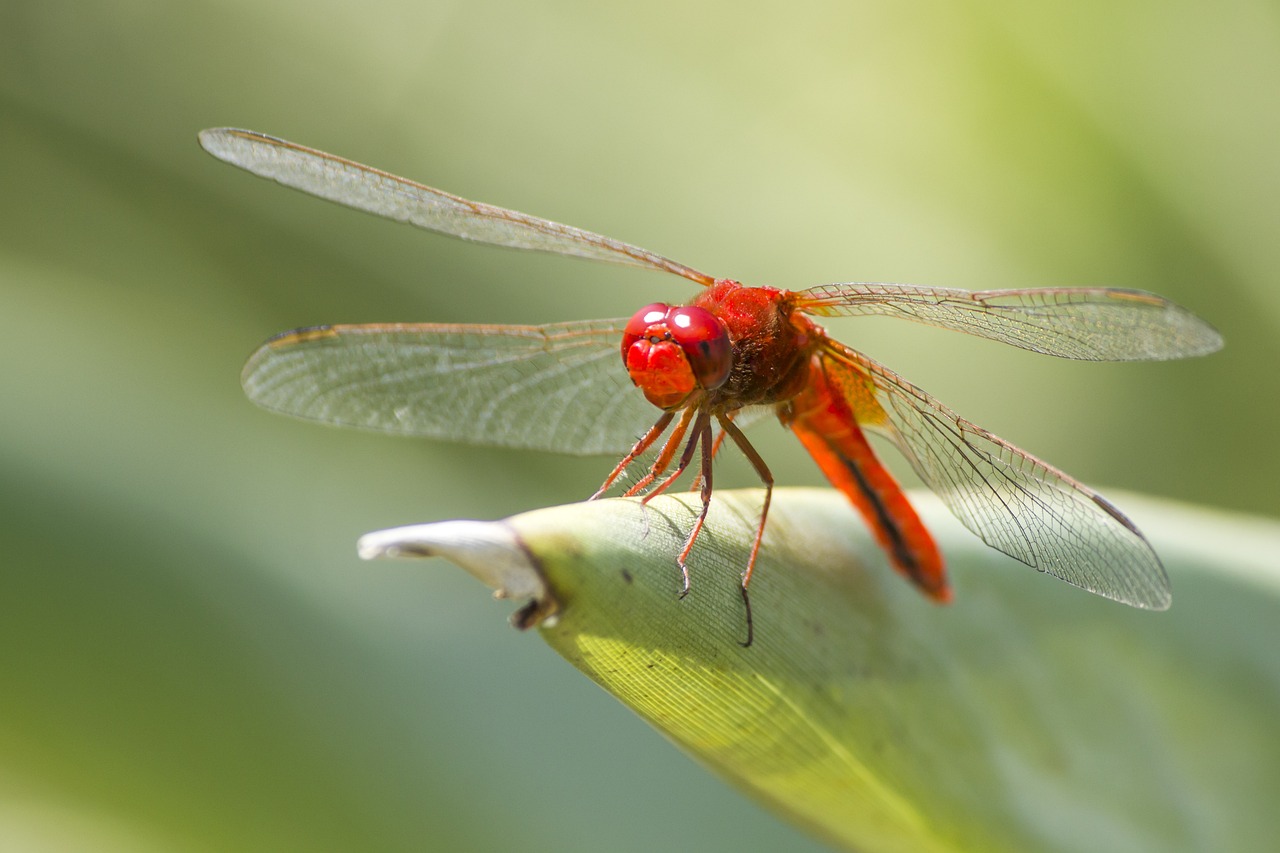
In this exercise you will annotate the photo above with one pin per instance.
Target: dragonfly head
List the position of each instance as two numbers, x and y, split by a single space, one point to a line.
673 351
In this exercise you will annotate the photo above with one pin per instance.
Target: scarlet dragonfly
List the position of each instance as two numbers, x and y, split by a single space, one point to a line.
732 350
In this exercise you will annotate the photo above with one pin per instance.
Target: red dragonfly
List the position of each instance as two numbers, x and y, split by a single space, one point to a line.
731 351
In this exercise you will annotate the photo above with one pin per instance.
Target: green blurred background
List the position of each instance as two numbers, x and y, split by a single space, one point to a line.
192 657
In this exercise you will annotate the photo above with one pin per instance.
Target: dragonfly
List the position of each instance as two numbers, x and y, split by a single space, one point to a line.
709 367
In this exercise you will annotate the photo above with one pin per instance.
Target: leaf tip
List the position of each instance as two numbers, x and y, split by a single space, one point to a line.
488 550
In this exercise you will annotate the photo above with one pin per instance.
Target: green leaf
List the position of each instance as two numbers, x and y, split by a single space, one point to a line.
1028 715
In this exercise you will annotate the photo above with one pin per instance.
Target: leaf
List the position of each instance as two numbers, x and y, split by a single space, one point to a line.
1028 715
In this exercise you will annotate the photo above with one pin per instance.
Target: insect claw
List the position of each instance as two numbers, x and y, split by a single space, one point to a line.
684 574
751 631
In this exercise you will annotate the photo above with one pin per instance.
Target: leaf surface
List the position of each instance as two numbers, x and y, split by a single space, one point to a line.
1028 715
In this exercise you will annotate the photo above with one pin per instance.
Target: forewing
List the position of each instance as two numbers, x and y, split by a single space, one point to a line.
1015 502
1092 324
375 191
560 387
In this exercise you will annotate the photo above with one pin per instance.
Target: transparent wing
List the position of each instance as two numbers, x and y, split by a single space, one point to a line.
560 387
1088 323
1015 502
375 191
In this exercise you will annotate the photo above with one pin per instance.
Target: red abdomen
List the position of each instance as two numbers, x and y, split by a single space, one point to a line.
822 417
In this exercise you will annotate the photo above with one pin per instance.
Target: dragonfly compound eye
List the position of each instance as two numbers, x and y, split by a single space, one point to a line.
672 351
705 342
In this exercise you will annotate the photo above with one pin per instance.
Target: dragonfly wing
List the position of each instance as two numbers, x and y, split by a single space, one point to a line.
1088 323
375 191
1015 502
559 387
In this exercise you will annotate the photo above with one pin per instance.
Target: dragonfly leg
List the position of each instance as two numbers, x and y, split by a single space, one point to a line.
766 477
681 466
645 442
701 436
715 448
665 456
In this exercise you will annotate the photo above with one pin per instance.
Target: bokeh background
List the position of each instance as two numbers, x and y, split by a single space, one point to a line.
192 657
